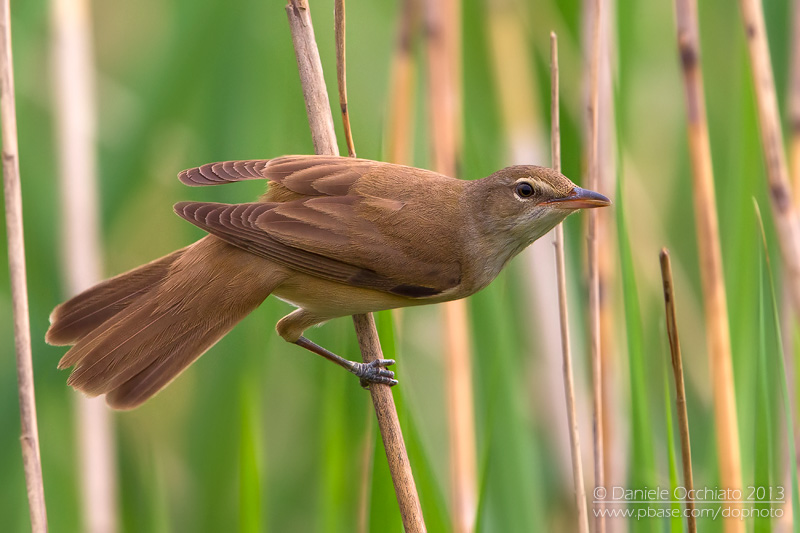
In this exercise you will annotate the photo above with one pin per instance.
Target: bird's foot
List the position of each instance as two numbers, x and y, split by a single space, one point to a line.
375 372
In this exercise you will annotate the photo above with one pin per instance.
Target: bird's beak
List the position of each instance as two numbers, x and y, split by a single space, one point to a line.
580 199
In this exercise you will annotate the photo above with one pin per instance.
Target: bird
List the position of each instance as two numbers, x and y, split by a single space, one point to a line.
333 236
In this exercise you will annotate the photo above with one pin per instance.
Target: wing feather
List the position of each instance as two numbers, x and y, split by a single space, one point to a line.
326 216
219 220
224 172
317 246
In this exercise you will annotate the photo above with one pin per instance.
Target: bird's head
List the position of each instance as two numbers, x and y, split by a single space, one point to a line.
519 204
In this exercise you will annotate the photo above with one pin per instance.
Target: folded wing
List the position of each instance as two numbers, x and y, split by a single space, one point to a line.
325 216
323 237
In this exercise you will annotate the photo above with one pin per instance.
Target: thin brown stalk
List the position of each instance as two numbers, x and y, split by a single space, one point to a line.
680 391
324 138
392 436
787 224
309 65
442 25
524 123
711 271
593 262
369 435
75 118
569 382
29 438
341 73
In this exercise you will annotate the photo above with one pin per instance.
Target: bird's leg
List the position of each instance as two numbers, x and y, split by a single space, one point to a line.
291 328
373 372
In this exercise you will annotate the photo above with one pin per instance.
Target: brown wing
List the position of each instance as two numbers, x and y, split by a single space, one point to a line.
324 237
327 216
303 174
308 175
225 172
318 175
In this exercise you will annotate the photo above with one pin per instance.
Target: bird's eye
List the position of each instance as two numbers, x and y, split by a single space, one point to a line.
524 189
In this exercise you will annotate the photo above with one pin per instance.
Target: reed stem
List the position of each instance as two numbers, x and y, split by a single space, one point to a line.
593 261
709 248
680 391
324 138
784 212
12 189
569 382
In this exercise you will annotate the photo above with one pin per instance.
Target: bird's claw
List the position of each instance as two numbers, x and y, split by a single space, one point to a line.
374 372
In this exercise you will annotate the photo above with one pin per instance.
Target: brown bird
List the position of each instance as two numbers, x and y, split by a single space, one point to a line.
333 236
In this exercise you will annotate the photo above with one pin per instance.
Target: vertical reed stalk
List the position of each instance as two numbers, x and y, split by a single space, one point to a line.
76 121
613 444
341 73
29 439
324 138
443 40
369 432
569 384
712 276
592 258
787 224
680 391
399 129
523 123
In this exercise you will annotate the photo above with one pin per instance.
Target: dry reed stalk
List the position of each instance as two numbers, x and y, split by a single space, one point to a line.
569 385
76 125
523 124
709 249
784 213
402 477
614 465
324 139
680 391
399 151
593 260
29 438
341 73
442 36
369 435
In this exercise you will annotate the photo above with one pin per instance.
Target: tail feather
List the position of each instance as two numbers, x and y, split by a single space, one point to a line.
77 317
164 368
209 288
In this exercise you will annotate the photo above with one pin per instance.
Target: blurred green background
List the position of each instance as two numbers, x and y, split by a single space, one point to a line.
258 434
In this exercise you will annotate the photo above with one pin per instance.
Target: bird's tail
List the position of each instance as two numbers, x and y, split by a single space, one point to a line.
135 333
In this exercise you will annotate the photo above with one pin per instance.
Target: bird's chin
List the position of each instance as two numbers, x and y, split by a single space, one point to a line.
541 225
